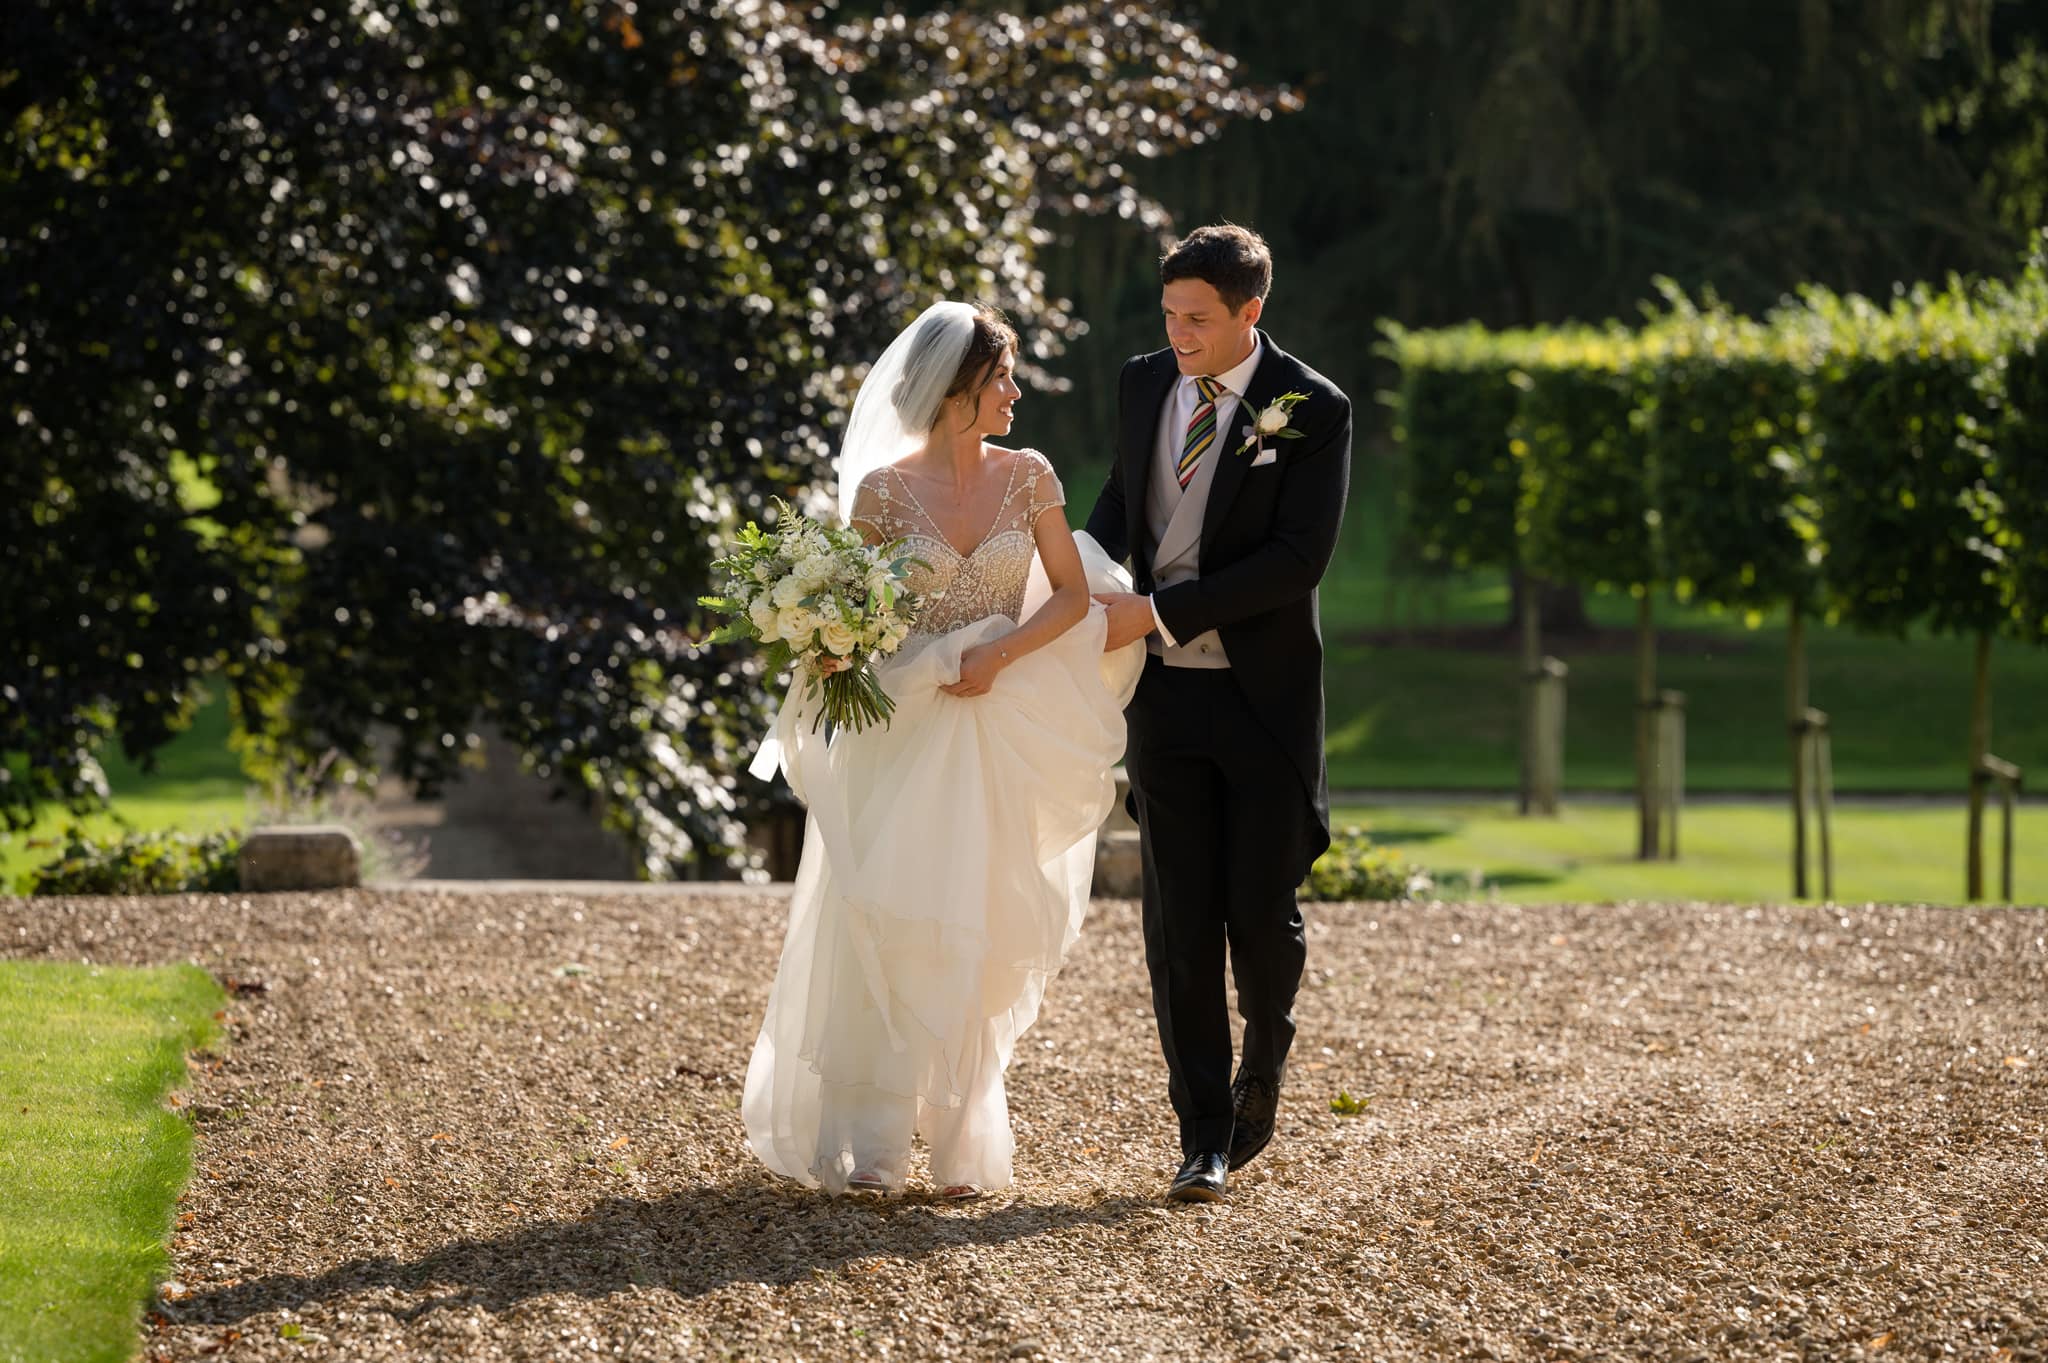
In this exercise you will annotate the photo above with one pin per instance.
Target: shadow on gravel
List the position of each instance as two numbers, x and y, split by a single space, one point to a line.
691 1243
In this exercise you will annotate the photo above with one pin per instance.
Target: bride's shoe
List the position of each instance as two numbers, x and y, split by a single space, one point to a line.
867 1181
959 1192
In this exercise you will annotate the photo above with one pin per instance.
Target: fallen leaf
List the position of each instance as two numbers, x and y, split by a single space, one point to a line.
1344 1105
2018 1062
1538 1155
1881 1340
440 1136
511 1206
621 1143
390 1182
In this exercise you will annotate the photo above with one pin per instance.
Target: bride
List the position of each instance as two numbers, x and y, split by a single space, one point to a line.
947 857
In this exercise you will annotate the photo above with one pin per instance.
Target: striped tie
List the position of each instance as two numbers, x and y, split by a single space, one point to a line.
1201 430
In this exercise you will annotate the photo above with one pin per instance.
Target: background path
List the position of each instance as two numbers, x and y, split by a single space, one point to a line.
504 1126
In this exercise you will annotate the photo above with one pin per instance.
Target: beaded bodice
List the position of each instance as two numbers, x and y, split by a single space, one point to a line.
958 588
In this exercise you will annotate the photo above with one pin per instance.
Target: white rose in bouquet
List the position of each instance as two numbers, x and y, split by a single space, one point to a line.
788 592
798 624
838 637
763 613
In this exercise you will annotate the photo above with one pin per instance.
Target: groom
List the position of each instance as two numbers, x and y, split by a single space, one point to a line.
1231 465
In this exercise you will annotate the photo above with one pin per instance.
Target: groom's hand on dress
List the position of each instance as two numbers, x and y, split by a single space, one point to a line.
1130 618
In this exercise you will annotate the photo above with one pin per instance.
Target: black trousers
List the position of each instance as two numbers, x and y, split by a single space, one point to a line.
1221 812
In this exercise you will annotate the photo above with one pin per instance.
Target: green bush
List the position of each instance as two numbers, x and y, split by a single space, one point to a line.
1452 411
1355 869
140 863
1903 411
1730 440
1585 513
2022 445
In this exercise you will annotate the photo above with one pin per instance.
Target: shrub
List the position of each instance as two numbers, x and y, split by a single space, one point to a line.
1354 868
140 863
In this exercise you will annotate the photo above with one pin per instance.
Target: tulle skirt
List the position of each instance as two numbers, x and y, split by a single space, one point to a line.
945 874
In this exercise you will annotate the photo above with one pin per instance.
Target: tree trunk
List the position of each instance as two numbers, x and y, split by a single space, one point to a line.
1795 725
1646 733
1531 698
1980 743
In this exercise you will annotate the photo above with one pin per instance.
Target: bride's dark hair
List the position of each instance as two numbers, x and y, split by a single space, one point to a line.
993 337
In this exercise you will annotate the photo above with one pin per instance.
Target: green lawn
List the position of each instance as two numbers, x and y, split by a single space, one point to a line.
90 1160
1736 851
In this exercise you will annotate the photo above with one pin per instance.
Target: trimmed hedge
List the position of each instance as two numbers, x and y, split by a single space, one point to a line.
1453 409
1729 447
1584 513
1888 462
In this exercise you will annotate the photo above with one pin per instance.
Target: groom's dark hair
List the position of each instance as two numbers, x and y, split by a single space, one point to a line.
1233 259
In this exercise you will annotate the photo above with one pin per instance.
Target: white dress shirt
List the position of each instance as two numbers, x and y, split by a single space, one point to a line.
1180 410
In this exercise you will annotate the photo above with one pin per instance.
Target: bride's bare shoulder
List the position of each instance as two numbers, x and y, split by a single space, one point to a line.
1024 459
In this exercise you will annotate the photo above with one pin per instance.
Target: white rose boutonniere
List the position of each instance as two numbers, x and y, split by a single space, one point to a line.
1271 422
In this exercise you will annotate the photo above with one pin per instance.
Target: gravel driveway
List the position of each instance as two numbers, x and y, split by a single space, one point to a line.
505 1126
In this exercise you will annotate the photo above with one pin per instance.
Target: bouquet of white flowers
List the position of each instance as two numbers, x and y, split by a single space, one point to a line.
809 593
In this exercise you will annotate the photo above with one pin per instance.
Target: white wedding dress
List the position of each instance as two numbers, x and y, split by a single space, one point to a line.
946 865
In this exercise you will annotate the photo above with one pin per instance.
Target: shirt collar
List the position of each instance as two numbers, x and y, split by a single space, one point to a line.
1239 376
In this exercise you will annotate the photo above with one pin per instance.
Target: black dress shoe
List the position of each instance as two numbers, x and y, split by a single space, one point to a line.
1256 1104
1200 1178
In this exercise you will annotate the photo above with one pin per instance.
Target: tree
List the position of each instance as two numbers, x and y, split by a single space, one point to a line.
1905 418
405 365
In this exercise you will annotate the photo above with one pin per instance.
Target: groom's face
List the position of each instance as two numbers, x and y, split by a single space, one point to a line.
1206 336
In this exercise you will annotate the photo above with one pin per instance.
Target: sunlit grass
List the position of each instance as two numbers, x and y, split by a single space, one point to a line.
91 1162
1735 852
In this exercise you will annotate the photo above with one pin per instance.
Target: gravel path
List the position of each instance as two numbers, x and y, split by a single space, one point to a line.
505 1127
